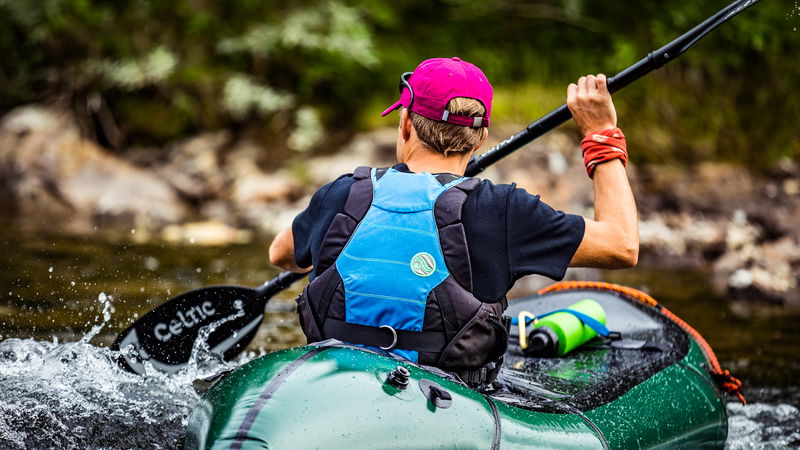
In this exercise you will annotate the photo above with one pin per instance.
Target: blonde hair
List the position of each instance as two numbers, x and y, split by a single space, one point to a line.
445 137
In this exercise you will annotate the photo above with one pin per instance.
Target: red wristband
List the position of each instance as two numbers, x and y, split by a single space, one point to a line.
602 146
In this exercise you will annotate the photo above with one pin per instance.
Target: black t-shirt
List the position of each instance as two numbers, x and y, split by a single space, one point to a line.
510 233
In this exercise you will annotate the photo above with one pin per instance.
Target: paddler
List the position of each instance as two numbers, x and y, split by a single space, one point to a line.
416 259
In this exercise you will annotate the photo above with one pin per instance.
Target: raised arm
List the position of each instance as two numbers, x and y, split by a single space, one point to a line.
611 240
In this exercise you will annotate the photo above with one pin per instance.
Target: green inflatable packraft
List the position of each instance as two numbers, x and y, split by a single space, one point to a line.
653 388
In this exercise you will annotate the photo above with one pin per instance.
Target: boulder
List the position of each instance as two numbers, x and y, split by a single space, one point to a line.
766 273
209 233
193 166
707 188
375 148
52 172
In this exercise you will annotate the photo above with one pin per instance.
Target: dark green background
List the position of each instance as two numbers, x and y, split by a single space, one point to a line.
732 97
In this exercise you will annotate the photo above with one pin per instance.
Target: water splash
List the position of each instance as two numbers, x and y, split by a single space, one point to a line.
204 362
108 308
75 395
763 425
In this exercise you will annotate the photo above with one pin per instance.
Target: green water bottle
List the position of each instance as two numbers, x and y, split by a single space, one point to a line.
560 333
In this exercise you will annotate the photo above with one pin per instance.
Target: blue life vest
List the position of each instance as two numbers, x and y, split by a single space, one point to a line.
394 273
393 261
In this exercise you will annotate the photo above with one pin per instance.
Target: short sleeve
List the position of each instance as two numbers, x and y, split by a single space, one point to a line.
541 240
310 226
302 227
484 217
511 233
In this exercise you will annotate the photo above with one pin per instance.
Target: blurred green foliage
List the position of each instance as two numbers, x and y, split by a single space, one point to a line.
163 70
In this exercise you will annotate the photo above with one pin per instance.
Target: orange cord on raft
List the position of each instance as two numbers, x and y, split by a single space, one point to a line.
724 379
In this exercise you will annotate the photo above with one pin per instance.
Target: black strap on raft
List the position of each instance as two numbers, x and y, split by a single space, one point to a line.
637 344
483 375
385 337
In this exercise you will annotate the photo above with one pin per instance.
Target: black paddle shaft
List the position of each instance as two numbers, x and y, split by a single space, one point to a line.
651 62
278 284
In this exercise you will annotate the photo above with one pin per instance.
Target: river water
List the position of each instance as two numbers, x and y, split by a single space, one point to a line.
64 299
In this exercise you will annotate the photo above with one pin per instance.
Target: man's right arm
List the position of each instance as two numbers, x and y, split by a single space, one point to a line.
294 247
611 240
281 252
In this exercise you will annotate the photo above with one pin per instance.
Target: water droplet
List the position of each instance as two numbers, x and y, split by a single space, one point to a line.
72 283
133 230
50 269
151 263
199 270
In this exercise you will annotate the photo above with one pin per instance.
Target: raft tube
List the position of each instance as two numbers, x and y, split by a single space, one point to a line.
651 389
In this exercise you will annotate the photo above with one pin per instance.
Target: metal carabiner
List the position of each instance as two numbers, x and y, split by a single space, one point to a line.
522 320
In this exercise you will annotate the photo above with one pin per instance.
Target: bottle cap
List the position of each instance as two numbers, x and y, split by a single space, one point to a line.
542 342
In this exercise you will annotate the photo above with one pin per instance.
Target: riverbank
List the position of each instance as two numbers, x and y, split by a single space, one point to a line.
217 188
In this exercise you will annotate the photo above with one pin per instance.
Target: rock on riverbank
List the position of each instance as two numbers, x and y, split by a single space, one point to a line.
745 228
217 188
57 177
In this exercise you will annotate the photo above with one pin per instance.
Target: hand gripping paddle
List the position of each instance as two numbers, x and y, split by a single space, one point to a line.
165 336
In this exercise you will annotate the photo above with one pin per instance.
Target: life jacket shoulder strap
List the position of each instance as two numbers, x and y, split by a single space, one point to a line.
362 172
344 224
359 199
447 212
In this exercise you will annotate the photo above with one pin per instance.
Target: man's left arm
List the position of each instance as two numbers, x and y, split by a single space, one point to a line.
611 239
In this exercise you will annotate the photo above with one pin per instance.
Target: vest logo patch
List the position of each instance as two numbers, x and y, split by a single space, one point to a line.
423 264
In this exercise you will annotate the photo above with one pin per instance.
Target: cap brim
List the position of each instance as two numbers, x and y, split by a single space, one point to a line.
397 104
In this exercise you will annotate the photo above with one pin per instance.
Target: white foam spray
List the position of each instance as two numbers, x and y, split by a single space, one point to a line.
108 308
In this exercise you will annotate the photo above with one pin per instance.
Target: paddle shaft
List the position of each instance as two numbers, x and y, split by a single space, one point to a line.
278 284
651 62
554 118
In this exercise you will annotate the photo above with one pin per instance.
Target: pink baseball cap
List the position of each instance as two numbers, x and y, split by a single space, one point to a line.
435 82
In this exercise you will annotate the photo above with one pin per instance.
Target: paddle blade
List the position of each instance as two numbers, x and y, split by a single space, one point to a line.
166 335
